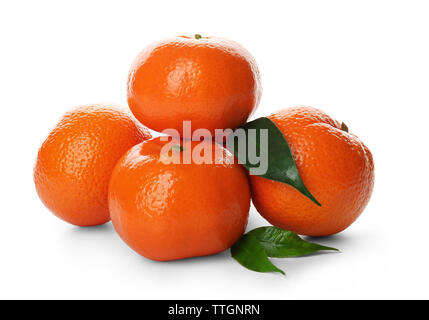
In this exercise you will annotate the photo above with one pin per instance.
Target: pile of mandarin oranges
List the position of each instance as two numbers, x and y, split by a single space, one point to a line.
101 163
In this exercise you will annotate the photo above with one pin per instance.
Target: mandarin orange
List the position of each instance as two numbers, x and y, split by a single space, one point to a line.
76 160
335 166
166 211
212 82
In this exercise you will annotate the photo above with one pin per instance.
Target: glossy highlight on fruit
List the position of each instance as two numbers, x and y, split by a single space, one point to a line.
76 160
335 166
167 211
212 82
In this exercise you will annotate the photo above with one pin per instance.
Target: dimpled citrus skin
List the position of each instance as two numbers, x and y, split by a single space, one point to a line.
174 211
75 162
213 82
335 166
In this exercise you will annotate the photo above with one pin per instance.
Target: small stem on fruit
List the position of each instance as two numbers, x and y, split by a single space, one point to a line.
344 127
177 147
198 36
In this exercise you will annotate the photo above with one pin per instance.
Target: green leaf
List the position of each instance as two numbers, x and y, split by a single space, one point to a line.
279 243
281 165
251 254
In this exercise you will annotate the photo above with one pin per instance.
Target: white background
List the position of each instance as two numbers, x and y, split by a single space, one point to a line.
364 62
